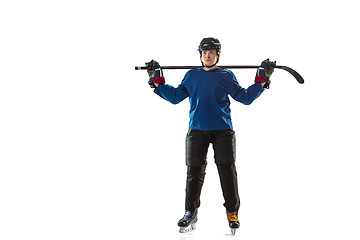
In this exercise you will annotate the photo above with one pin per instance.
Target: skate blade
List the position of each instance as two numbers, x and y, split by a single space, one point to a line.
233 231
190 228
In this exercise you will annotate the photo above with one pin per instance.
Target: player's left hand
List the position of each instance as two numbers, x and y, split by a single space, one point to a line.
269 67
264 72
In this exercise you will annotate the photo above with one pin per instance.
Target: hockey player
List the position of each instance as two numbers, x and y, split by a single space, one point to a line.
208 89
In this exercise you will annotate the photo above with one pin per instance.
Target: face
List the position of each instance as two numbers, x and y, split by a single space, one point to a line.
209 57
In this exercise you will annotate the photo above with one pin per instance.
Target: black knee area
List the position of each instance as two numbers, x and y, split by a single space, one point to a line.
196 173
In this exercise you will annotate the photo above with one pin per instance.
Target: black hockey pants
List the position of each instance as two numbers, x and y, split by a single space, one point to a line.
197 143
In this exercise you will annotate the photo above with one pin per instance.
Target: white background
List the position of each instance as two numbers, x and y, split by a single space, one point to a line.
87 151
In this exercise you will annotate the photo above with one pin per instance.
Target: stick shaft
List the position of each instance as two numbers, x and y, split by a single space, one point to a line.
297 76
192 67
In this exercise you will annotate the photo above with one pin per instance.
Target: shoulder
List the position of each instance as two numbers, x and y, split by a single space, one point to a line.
193 72
226 73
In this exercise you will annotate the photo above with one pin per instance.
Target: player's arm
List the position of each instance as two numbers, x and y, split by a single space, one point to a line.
157 81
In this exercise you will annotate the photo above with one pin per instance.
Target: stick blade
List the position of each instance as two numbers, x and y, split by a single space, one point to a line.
296 75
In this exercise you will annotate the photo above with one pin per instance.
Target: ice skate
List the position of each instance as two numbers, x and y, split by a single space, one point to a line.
188 222
233 221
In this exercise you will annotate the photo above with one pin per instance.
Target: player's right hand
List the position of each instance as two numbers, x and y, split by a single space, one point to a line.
155 72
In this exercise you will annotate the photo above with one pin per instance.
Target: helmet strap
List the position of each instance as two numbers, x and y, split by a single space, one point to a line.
209 66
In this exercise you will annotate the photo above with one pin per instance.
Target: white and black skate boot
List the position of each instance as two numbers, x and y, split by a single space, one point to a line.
188 222
233 221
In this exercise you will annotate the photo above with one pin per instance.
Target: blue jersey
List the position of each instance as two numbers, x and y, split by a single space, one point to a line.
208 95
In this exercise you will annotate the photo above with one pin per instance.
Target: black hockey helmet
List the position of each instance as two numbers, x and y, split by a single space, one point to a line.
210 43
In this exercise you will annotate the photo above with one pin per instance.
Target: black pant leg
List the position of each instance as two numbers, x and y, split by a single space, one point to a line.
194 182
224 145
197 144
229 185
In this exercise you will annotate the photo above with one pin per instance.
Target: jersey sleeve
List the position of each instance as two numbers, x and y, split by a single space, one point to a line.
240 94
172 94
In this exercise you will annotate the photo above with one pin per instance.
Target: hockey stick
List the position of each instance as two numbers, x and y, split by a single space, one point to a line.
295 74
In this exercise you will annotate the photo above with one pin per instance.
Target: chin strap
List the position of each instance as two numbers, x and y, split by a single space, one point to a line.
209 66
